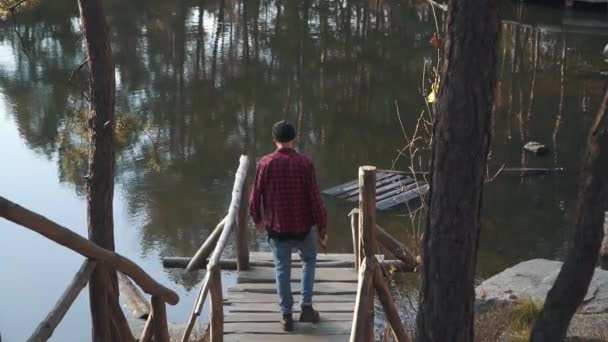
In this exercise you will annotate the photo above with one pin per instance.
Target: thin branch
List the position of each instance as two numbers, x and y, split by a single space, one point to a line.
16 30
13 7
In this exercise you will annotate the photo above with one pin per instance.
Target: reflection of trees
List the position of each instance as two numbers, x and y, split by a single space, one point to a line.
200 81
197 80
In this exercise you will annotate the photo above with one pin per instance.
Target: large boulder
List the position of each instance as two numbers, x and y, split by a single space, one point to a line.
533 279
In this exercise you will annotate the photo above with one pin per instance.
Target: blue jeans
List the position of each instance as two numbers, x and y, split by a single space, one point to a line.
281 252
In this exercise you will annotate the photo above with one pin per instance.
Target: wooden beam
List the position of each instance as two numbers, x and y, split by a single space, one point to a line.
160 327
396 248
386 298
362 315
203 253
242 236
146 334
45 329
367 232
233 210
137 303
65 237
390 243
198 307
214 259
216 333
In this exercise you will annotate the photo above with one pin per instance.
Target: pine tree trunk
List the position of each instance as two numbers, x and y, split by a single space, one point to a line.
460 148
100 180
573 280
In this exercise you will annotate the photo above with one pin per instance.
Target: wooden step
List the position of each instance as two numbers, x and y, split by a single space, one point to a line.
275 317
322 275
320 288
241 297
274 307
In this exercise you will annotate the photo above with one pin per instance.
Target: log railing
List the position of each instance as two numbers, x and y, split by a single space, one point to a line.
213 248
365 236
94 254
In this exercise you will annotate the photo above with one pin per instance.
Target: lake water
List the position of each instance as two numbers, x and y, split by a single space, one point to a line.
201 82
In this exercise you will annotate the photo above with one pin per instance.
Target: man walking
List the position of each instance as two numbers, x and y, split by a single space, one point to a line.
286 202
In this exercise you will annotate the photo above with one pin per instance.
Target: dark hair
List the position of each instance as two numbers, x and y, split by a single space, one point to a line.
283 131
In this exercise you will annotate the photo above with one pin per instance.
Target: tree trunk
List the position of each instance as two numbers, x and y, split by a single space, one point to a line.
573 280
100 180
460 148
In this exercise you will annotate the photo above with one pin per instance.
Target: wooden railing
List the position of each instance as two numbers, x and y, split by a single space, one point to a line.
213 248
365 235
156 325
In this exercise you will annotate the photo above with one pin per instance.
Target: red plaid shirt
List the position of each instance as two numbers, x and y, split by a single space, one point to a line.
286 196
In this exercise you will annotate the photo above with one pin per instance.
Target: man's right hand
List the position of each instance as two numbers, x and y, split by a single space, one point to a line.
259 229
323 240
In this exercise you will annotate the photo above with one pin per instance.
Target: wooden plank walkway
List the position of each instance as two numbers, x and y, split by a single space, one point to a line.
252 304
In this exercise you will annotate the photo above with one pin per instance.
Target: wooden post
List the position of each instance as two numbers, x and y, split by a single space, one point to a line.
45 329
242 236
146 334
160 328
604 248
216 318
354 226
137 303
386 298
360 331
203 253
65 237
367 228
367 209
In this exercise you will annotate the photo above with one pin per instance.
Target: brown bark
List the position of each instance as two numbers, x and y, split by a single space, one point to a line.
364 305
459 153
573 280
100 180
216 332
160 328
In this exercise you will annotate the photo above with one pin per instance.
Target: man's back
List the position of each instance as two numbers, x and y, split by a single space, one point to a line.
286 192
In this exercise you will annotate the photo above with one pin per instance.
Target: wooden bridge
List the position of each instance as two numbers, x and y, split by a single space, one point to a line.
344 283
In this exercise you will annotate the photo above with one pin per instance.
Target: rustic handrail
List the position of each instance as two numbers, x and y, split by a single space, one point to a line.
46 328
365 233
396 248
212 283
207 248
65 237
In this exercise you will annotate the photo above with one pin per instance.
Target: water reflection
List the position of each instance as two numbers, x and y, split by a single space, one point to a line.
200 82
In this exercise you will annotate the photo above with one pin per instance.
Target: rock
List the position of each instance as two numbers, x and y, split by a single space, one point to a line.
533 279
536 148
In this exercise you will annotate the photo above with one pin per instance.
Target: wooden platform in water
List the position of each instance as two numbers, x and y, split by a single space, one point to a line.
253 311
392 189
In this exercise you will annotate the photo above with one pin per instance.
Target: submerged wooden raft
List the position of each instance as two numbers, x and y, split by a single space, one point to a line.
392 190
253 312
